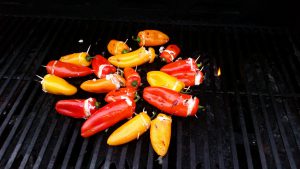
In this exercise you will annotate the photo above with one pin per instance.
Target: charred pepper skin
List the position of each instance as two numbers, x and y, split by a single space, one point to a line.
77 108
107 116
67 70
171 102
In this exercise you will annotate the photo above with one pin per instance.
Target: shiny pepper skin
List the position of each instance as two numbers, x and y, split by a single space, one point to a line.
152 38
133 79
107 116
67 70
102 67
56 85
171 102
77 108
130 130
160 133
170 53
161 79
81 59
116 47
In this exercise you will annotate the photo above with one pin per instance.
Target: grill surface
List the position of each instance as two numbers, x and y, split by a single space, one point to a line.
252 117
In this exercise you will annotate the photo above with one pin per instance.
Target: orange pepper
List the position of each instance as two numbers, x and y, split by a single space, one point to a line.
81 59
56 85
130 130
151 38
116 47
104 85
160 133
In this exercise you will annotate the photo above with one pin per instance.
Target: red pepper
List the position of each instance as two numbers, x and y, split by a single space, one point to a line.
107 116
64 69
77 108
102 67
189 78
170 53
120 94
132 77
171 102
187 65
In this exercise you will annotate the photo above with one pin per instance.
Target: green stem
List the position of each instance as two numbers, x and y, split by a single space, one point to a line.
137 39
89 58
201 107
125 51
134 83
97 104
137 97
154 114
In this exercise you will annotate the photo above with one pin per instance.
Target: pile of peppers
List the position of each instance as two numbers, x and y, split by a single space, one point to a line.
117 78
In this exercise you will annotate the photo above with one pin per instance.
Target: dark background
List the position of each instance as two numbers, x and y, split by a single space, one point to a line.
260 12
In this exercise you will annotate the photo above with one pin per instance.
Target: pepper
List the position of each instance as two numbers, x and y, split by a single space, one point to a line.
161 79
134 58
116 47
105 85
130 130
170 53
77 108
107 116
82 59
102 67
63 69
187 65
160 134
56 85
120 94
133 79
189 78
151 38
171 102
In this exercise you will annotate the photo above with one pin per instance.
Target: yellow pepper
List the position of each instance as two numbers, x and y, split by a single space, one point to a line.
161 79
56 85
160 133
134 58
130 130
82 59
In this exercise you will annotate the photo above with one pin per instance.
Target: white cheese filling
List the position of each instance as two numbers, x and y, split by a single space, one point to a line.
191 103
128 101
114 80
87 107
190 62
100 70
198 77
171 53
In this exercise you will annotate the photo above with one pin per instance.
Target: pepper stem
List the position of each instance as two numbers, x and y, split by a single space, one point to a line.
153 115
89 58
134 83
125 51
137 96
137 39
199 65
201 107
97 104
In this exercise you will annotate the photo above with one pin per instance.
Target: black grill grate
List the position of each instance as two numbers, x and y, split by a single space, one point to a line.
252 119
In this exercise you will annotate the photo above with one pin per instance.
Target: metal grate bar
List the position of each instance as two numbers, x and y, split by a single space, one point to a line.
279 123
251 106
81 154
108 158
178 144
137 154
16 125
24 133
45 145
14 52
123 156
96 153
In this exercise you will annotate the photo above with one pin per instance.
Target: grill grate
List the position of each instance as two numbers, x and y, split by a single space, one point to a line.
252 118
